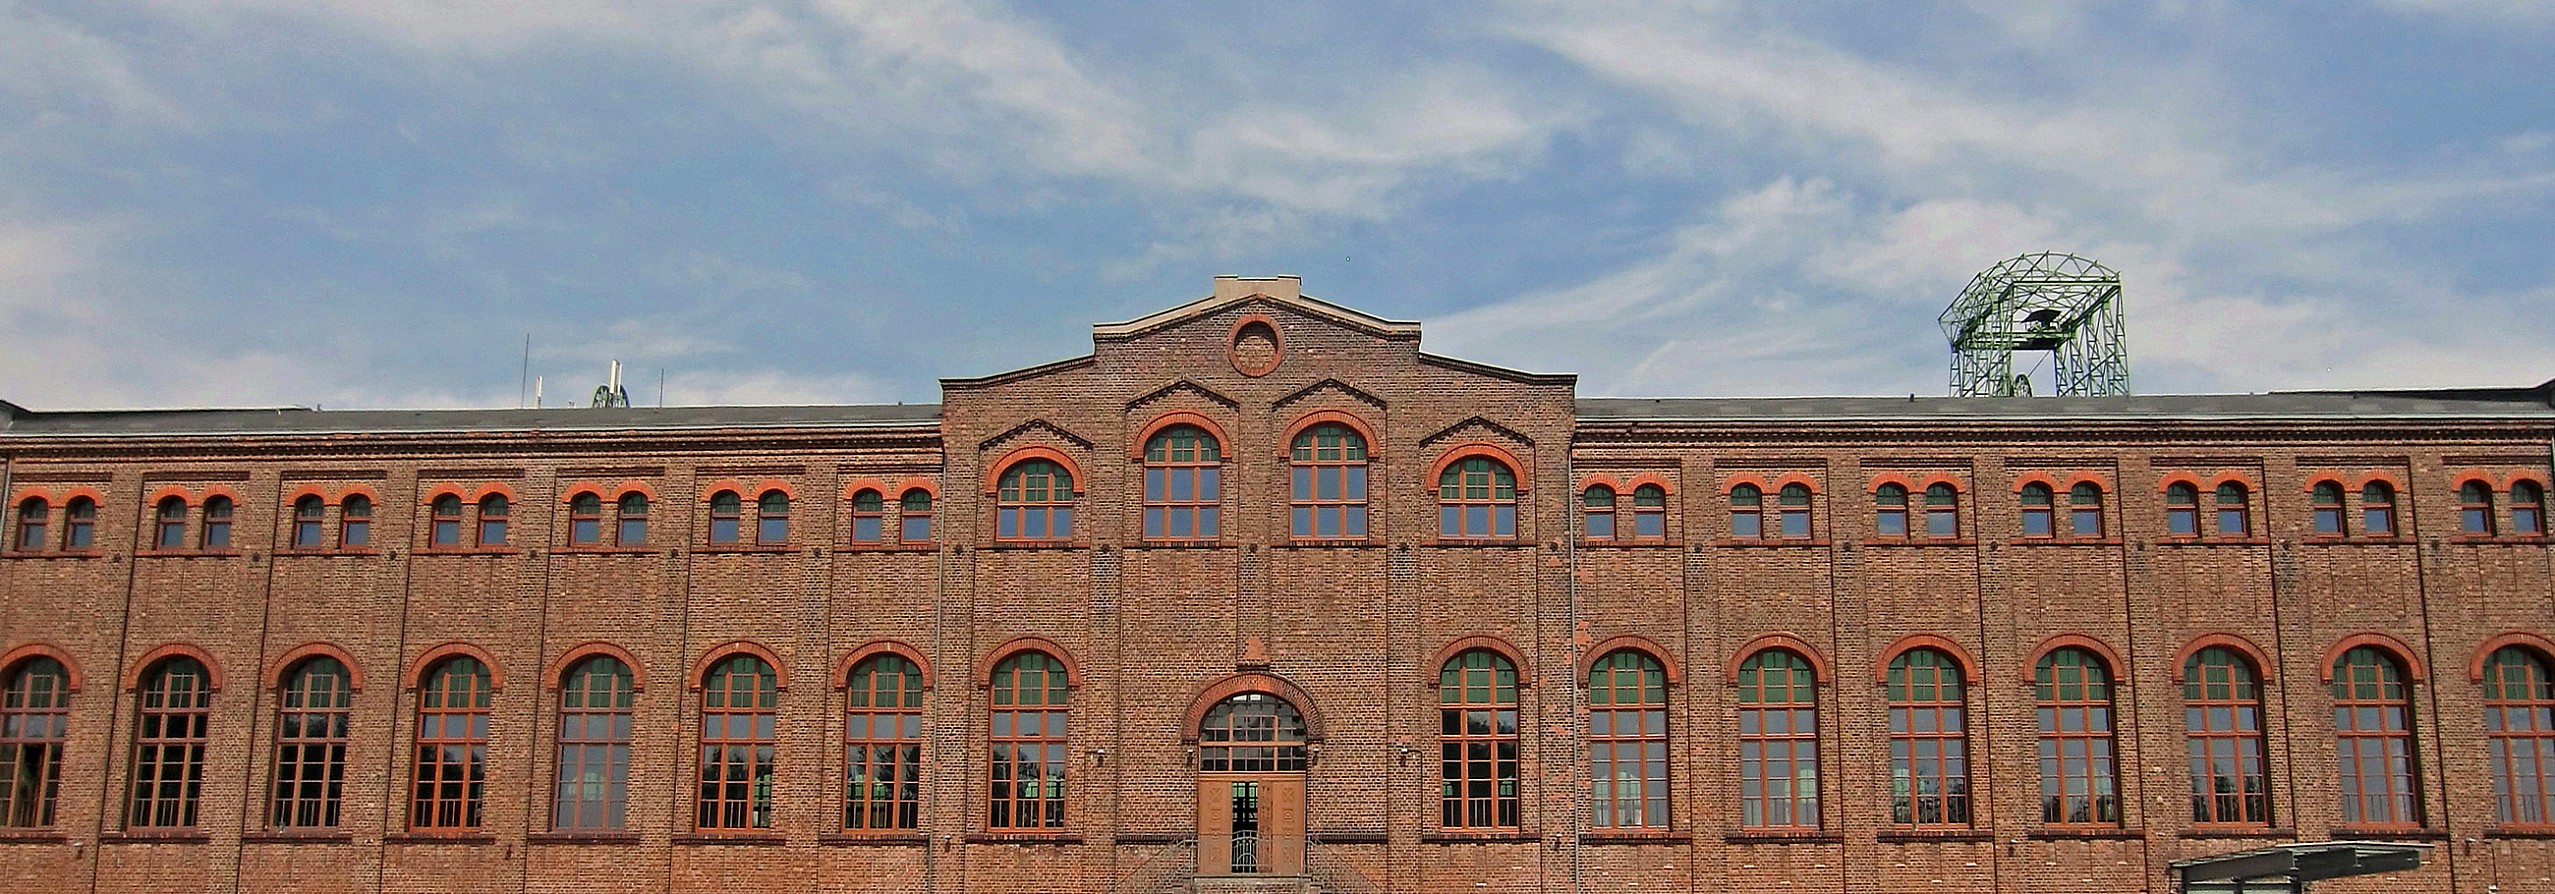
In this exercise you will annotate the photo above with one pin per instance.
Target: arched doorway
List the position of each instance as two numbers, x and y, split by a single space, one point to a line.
1252 751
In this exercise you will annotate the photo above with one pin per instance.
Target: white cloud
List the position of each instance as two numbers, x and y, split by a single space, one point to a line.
2485 13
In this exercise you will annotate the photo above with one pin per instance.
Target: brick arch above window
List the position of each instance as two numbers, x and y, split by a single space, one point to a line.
1470 449
142 665
748 492
1238 684
608 493
2322 478
1038 644
711 657
1916 641
926 485
10 660
495 488
1650 479
1633 643
283 664
2043 479
1018 455
1173 419
842 676
854 487
441 491
1365 430
1914 484
1819 671
2394 648
1594 479
2253 654
296 495
556 674
2170 479
1479 643
2393 478
2544 648
2057 641
1773 485
427 660
570 493
164 493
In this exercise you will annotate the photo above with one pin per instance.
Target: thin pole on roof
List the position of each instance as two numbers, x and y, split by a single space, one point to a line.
524 382
660 387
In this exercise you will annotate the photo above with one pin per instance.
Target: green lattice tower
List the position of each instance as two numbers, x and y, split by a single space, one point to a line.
2051 302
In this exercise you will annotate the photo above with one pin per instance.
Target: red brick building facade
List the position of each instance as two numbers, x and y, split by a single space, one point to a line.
1258 596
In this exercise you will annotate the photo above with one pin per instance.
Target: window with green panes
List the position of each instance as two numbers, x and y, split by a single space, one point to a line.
2373 740
1942 512
1183 485
1747 512
1628 742
740 702
1597 512
2519 732
883 745
1477 741
1029 700
1929 741
1649 512
1778 742
1794 502
1477 500
869 516
593 790
2079 776
1328 486
2085 510
2222 725
914 516
1034 501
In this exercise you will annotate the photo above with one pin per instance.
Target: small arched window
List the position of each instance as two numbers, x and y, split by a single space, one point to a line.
1747 512
2039 515
1929 741
1942 512
2519 729
914 516
2326 500
883 758
1183 485
1597 511
80 524
1889 514
869 516
585 519
631 523
217 522
1029 698
493 512
772 518
1793 501
1477 500
2377 509
593 790
1034 501
355 522
35 728
2085 509
2235 510
171 731
1650 512
1252 732
170 527
1628 741
2182 510
727 513
740 701
1328 483
1477 741
310 516
447 522
2373 732
32 516
2222 718
313 727
1778 742
2475 508
2079 774
2528 508
451 771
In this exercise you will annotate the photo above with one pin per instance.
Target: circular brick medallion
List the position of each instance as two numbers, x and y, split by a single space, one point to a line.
1256 348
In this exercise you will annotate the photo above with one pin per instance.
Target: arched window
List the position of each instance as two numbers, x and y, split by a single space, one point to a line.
2085 509
2519 726
452 746
2475 508
1253 732
313 720
1477 741
1793 501
493 511
1778 742
447 522
585 519
2222 721
355 522
2182 510
170 527
1650 512
1929 741
2528 508
80 524
1747 512
1477 500
2373 740
2326 501
1889 513
593 790
2377 509
1183 485
2235 510
2038 513
772 518
1328 483
1034 502
869 516
1029 701
914 516
217 522
32 516
883 758
310 516
35 727
1942 512
1628 741
740 702
727 513
170 733
631 522
1597 511
2079 773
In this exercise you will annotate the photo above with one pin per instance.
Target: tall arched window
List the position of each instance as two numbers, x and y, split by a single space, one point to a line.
2373 740
593 790
2182 510
2235 510
170 733
1747 512
2475 508
2519 726
32 516
1929 741
869 516
1649 512
1028 736
169 528
1793 502
1628 741
1477 500
1034 501
2528 508
452 746
310 514
1942 511
1597 512
446 530
2377 509
2039 519
355 522
740 702
2085 509
1477 741
2325 499
585 519
631 521
1889 511
217 522
1252 732
35 727
1183 485
1778 742
1327 492
80 524
883 738
493 512
2222 721
2079 772
313 720
727 514
914 516
772 518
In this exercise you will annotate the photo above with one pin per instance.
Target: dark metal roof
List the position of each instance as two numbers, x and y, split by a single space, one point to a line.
2304 861
2489 403
298 420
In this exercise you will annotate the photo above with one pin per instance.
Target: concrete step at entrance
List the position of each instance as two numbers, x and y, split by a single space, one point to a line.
1253 884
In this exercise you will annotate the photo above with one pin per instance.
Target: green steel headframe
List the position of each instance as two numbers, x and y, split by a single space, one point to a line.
2052 301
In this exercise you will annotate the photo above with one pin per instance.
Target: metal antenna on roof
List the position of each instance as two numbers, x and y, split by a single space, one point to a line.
2053 302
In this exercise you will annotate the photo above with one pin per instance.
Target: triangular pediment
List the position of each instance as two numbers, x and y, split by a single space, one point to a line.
1184 386
1329 386
1475 428
1033 426
1283 293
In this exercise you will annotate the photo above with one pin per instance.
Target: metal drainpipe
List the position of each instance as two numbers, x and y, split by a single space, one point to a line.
1579 816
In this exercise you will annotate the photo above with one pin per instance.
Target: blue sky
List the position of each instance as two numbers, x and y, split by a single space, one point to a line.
372 202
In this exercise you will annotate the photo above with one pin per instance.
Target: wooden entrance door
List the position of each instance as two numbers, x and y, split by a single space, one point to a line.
1251 824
